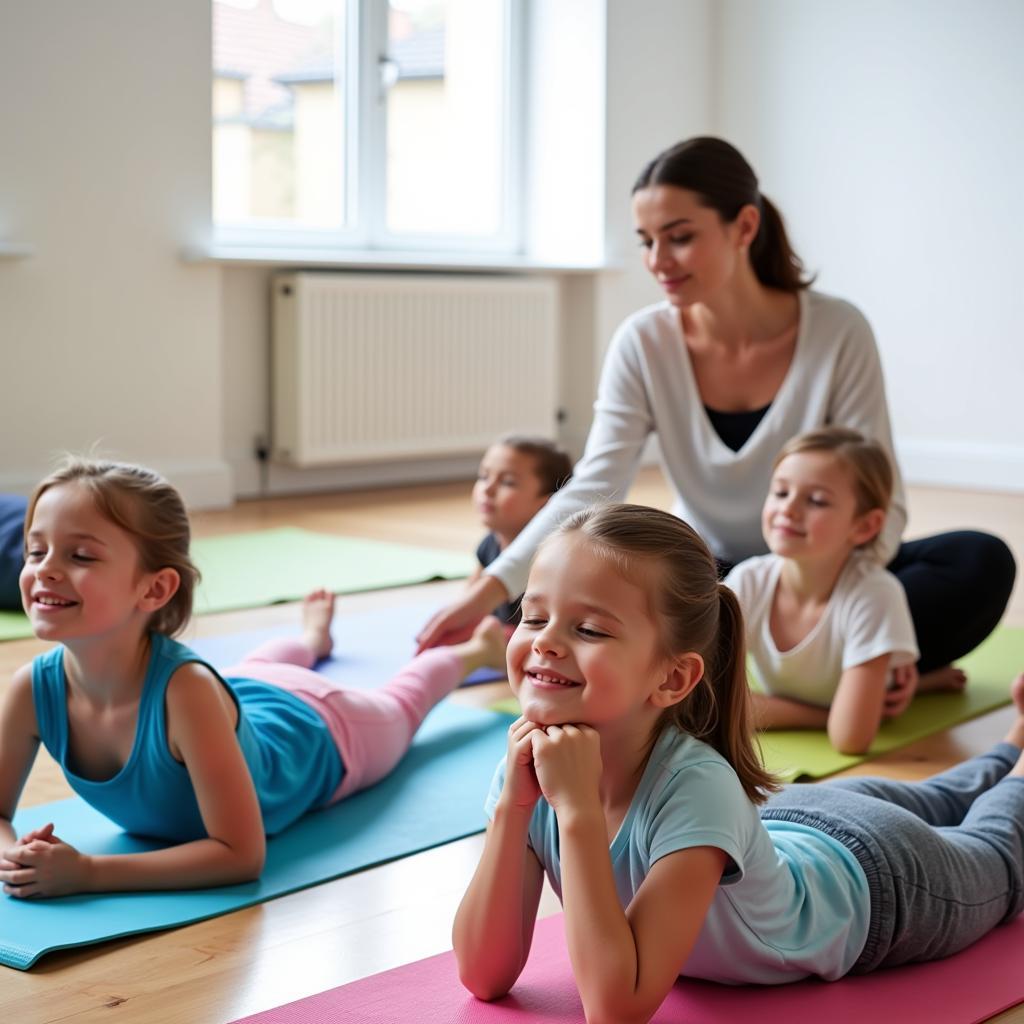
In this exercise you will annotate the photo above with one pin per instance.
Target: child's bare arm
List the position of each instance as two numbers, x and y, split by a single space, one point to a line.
203 730
857 707
494 925
624 962
773 712
19 742
493 928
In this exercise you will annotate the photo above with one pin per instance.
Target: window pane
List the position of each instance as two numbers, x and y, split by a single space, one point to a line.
446 116
278 113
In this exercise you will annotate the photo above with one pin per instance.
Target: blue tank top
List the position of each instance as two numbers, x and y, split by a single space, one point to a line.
293 760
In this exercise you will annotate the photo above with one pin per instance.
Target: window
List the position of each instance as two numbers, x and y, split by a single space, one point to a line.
367 123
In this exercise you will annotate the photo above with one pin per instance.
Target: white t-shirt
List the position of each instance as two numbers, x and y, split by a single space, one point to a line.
866 616
793 901
648 386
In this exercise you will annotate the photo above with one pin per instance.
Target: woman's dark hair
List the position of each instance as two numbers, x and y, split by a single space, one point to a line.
718 173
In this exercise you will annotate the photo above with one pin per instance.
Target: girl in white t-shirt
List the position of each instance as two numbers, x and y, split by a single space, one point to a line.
828 628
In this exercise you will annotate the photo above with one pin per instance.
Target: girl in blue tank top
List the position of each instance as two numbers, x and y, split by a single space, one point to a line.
155 738
633 781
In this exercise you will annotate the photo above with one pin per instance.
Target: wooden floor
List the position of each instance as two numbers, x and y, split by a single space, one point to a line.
241 963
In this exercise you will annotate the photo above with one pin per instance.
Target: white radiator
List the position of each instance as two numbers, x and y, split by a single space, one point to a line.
372 366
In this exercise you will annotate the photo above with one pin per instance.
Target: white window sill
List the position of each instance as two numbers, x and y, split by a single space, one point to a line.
377 259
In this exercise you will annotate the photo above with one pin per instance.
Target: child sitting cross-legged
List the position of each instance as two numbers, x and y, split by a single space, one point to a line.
151 735
828 628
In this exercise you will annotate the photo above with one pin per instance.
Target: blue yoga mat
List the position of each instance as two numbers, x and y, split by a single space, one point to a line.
434 796
370 646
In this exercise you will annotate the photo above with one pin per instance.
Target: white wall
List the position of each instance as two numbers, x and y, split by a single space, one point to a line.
892 134
658 92
106 336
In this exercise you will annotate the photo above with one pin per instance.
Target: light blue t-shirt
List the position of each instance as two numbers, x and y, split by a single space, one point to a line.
792 902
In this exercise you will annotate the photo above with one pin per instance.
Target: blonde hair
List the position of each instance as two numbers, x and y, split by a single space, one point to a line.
146 506
695 613
868 462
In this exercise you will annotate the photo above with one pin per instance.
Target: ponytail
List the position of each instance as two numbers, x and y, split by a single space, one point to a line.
735 739
772 257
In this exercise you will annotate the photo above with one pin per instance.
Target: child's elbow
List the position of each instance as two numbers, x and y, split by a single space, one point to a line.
485 989
253 868
617 1015
250 860
852 744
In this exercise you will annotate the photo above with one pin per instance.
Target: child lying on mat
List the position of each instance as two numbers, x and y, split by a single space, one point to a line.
153 737
633 780
828 628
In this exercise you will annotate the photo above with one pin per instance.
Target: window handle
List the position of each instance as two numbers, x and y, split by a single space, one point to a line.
387 75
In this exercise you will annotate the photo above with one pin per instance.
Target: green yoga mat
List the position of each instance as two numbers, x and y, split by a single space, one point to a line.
806 754
250 570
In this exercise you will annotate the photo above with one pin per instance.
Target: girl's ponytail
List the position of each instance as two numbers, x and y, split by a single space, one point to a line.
736 731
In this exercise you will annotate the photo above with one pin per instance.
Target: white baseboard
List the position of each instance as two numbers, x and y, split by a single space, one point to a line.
205 483
986 467
281 480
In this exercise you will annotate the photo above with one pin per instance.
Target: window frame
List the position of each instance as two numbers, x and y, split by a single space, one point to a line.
363 32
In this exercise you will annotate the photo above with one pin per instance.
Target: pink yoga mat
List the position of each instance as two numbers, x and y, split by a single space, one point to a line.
971 986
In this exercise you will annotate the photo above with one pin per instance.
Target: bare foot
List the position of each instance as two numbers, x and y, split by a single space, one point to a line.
1017 693
942 680
486 647
317 612
1016 733
493 638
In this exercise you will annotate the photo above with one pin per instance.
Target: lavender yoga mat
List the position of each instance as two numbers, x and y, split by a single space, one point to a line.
369 646
971 986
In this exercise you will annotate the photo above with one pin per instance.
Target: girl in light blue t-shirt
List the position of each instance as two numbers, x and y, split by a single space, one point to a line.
632 780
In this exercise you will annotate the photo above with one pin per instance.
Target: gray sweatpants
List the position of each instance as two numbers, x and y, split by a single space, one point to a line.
944 858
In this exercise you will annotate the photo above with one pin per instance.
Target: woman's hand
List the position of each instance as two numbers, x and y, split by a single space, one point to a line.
461 616
43 865
567 761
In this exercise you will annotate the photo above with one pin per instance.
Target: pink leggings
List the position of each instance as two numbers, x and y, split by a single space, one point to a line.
372 728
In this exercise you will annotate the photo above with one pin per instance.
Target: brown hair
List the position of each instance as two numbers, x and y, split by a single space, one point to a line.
551 463
145 505
697 613
725 182
869 465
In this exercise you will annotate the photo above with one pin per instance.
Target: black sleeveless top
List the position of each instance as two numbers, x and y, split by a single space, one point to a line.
735 428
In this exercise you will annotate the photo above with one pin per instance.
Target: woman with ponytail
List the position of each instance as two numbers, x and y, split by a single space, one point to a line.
633 782
741 356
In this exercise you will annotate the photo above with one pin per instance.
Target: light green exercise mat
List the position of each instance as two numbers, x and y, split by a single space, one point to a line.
14 626
250 570
806 754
